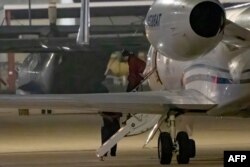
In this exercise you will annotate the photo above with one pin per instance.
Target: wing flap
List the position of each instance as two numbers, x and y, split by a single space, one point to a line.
137 102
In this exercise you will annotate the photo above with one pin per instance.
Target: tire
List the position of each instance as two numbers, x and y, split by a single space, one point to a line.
184 148
49 112
43 111
165 148
192 149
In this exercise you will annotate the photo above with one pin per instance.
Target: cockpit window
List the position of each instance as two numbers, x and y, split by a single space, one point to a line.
31 61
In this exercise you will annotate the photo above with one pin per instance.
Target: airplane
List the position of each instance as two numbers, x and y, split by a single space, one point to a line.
59 73
199 64
35 74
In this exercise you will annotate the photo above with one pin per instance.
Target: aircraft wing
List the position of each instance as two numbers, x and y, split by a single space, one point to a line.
236 35
239 107
134 102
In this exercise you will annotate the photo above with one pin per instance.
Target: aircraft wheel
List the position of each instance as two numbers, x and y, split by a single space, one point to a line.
184 148
192 148
43 111
165 148
49 111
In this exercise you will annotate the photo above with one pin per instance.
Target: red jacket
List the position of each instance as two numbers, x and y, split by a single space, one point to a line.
136 68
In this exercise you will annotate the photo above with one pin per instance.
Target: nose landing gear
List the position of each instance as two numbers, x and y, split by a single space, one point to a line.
180 145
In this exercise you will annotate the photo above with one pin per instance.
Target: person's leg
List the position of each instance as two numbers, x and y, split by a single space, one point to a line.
104 135
130 87
115 128
113 150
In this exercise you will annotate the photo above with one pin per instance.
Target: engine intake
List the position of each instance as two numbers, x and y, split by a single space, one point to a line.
207 19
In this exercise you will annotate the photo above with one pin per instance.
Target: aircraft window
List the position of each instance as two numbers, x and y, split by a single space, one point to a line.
31 61
40 62
27 60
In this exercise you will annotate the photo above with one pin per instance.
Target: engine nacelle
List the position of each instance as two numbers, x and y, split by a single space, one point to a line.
185 29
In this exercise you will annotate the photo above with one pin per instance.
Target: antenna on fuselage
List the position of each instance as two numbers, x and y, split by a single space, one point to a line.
83 32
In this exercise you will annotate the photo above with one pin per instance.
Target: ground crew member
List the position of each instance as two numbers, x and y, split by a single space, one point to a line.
111 124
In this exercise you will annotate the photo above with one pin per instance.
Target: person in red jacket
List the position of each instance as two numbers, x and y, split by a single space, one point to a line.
136 68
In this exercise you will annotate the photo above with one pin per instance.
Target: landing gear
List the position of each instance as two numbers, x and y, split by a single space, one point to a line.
184 148
165 148
169 144
48 111
192 148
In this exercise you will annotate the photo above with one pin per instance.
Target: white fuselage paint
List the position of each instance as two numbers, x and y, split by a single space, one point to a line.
209 75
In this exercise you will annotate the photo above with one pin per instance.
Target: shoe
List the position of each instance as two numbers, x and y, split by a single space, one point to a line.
101 159
113 154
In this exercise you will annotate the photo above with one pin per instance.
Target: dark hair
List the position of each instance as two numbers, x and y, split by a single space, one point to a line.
127 53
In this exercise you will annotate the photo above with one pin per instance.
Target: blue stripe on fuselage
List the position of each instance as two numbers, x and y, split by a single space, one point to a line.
211 78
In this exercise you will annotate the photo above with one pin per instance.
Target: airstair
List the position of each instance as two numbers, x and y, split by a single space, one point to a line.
135 125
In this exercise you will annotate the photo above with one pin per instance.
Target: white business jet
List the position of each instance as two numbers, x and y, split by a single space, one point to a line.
198 63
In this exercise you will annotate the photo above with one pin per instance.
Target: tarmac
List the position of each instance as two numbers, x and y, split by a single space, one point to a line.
71 140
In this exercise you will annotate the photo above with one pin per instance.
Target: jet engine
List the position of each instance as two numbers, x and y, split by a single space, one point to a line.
185 29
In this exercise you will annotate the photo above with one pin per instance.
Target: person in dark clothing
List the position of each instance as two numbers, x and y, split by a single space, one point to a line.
136 68
111 124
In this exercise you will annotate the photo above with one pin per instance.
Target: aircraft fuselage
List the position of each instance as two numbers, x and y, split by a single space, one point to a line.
223 74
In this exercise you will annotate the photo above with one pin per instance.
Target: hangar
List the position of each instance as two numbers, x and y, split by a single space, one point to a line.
39 55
